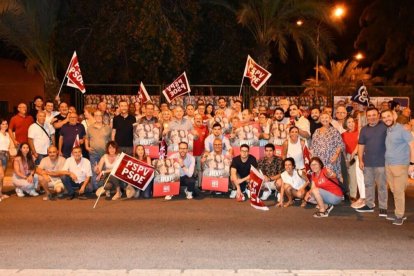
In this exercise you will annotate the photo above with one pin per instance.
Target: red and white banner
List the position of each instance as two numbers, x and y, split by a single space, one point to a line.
255 184
133 171
257 74
178 88
76 143
74 75
143 96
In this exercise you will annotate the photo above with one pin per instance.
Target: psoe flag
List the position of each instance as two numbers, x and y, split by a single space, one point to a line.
257 74
361 95
143 96
133 171
255 184
74 75
179 87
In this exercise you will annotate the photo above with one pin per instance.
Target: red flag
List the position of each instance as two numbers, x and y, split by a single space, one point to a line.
256 181
179 87
143 96
76 143
74 74
257 74
132 171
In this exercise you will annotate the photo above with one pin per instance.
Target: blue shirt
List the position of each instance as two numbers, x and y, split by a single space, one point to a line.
397 145
373 138
189 164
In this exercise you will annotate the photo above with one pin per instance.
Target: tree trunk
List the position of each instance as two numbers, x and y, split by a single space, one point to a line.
51 89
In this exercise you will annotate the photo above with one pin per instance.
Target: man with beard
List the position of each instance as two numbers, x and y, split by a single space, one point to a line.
399 159
279 130
296 119
314 121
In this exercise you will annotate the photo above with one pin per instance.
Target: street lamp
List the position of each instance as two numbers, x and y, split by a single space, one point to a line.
359 56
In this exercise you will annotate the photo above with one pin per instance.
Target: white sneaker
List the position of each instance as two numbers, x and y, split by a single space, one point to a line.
19 192
137 193
265 195
130 191
233 194
189 195
247 192
33 193
168 197
108 193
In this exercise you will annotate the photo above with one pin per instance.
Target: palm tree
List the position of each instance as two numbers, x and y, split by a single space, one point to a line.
273 24
29 26
340 79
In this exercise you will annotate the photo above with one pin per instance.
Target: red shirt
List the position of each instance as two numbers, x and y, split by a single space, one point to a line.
350 140
20 126
198 145
323 182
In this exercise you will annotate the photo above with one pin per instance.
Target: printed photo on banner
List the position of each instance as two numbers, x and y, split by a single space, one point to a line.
175 137
248 134
278 133
146 134
166 170
216 165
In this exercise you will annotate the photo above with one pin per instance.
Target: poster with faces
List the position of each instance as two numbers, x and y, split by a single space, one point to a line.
166 170
247 134
175 137
216 165
146 134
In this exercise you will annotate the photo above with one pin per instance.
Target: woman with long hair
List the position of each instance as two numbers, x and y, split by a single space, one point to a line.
89 120
356 175
4 153
141 155
105 165
24 178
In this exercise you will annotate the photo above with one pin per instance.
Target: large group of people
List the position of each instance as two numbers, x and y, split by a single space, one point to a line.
319 159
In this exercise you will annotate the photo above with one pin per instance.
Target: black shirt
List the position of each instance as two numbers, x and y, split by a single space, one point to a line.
58 118
124 130
243 168
313 126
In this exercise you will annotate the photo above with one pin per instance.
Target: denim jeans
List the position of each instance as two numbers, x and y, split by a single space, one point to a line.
70 185
329 198
94 158
4 157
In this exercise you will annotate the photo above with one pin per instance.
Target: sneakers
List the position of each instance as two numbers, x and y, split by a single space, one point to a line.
108 194
395 220
321 214
329 209
130 191
265 195
399 221
117 196
247 192
365 209
33 193
137 193
168 197
188 195
19 192
382 213
233 194
358 204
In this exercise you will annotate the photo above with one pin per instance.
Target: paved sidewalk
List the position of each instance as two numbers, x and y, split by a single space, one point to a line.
202 272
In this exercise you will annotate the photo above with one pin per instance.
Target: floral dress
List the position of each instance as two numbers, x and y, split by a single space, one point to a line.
324 146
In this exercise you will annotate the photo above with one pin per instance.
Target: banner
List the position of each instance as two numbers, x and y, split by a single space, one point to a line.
133 171
361 96
216 169
179 87
175 137
255 184
143 96
257 74
247 134
146 134
74 75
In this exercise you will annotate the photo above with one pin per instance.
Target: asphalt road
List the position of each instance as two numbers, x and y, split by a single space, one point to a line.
215 233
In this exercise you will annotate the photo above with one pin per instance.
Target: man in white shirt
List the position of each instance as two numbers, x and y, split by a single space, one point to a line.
340 115
41 136
78 172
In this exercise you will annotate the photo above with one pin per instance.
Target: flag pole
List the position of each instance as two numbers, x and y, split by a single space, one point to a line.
99 196
66 74
241 86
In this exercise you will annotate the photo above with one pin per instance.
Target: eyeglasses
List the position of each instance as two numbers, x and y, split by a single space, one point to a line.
217 144
182 148
244 151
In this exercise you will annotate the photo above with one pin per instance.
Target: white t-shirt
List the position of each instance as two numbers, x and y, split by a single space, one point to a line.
4 141
293 180
81 170
47 165
303 124
41 140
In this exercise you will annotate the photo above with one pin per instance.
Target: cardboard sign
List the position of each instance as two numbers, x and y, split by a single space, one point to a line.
166 188
218 184
146 135
179 87
152 151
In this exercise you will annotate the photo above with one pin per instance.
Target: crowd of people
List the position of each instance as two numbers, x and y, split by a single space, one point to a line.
317 159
